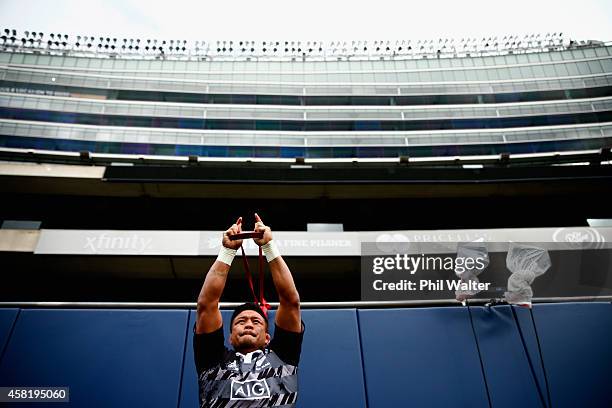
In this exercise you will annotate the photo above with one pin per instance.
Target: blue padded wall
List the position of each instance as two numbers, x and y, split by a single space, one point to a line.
331 367
504 358
527 325
108 358
575 340
7 318
189 381
331 373
421 358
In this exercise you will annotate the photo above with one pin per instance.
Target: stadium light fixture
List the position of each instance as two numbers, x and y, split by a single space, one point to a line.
342 50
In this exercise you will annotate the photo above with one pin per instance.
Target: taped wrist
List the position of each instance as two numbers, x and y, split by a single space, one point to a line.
226 255
270 250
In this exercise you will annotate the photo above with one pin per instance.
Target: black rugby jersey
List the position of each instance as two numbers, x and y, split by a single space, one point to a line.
262 378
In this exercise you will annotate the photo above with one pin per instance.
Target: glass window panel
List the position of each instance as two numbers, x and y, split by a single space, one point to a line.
44 60
555 56
456 62
544 71
436 76
95 63
119 64
561 69
390 77
533 57
30 59
594 67
17 58
448 75
515 73
461 75
367 78
131 65
583 68
367 65
572 69
403 77
526 72
69 61
472 75
493 74
606 65
411 64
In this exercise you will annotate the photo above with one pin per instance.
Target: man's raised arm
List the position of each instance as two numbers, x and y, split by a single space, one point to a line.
208 314
288 315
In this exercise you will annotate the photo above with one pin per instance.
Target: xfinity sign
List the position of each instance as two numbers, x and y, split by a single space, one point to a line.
95 242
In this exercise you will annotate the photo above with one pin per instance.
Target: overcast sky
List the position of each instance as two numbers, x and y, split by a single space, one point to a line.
309 20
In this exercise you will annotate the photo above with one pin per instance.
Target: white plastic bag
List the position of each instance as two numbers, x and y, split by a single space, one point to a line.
525 264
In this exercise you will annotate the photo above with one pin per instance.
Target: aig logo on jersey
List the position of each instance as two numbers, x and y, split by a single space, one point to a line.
249 390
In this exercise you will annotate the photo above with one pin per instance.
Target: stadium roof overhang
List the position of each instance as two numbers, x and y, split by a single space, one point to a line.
286 180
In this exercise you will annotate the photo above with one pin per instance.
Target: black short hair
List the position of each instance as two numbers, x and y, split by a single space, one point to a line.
248 306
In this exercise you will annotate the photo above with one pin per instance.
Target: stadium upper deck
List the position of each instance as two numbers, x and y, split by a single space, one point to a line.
276 100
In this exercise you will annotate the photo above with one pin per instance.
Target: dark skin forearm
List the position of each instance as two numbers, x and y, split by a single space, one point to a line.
214 284
288 315
208 314
283 281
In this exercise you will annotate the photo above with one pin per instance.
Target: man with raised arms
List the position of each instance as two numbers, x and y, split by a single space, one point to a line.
260 371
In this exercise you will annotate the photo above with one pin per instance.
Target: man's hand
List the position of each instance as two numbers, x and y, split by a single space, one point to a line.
260 227
234 229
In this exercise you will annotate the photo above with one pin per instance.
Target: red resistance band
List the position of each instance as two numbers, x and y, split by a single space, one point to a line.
265 306
261 301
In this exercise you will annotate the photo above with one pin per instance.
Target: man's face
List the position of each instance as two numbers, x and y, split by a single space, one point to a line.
248 332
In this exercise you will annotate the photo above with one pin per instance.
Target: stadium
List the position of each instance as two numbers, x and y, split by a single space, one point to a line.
123 160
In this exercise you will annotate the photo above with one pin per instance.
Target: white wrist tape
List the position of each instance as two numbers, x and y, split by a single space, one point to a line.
270 251
226 255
